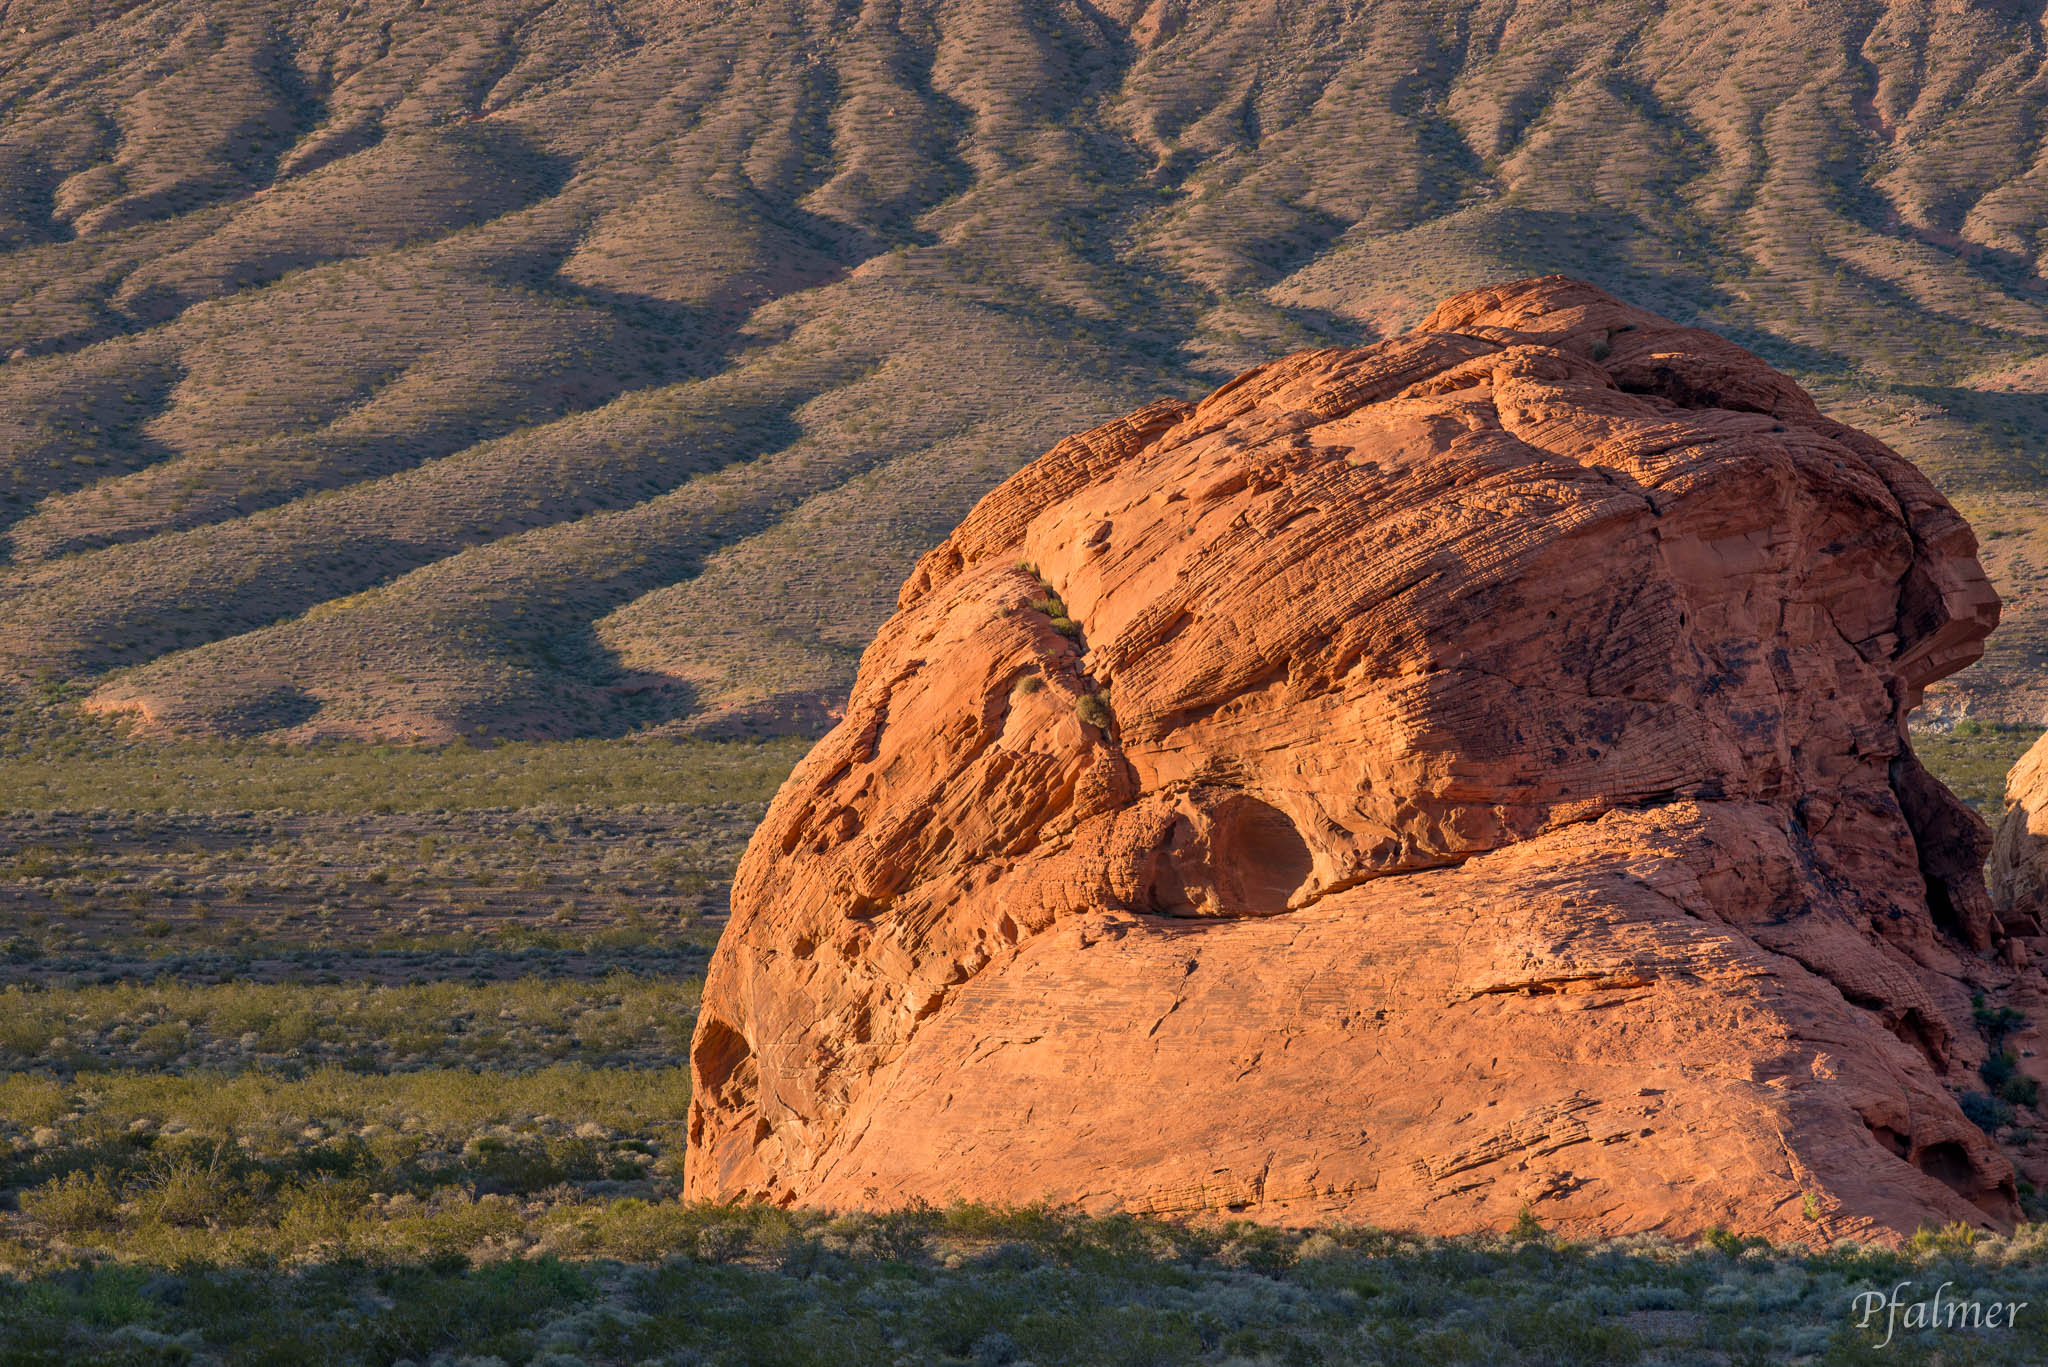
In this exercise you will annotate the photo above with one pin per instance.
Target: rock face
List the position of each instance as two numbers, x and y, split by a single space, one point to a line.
2019 853
1412 784
2018 872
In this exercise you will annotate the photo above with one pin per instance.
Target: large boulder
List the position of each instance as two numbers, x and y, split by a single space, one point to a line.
1413 784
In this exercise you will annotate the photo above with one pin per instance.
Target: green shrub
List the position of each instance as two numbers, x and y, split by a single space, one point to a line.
74 1203
1996 1024
1093 711
529 1164
1986 1112
1730 1244
194 1194
1949 1238
2001 1073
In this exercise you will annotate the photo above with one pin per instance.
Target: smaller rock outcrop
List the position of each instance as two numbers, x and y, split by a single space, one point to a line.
2018 871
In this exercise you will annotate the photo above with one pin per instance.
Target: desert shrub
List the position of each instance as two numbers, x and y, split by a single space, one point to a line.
1986 1112
195 1193
1091 709
1730 1244
1260 1247
1996 1024
2001 1073
320 1210
896 1236
529 1164
1948 1238
632 1228
74 1203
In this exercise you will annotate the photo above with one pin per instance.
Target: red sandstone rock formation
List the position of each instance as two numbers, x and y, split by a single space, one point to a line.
1413 783
2018 872
2019 853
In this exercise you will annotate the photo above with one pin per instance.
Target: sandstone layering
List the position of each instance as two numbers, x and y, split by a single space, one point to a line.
1412 784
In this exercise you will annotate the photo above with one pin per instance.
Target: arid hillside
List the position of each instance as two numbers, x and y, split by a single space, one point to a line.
517 368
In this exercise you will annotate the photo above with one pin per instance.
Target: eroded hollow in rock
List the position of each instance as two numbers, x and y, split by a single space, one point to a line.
1233 856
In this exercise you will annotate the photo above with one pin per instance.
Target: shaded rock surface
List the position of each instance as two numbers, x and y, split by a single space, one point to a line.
1412 784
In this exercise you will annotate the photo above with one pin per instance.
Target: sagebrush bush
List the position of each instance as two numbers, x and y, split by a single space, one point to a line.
73 1204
